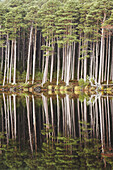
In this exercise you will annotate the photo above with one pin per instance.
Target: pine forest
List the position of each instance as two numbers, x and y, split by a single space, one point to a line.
54 41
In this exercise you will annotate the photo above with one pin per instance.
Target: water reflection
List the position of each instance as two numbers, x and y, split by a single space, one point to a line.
23 119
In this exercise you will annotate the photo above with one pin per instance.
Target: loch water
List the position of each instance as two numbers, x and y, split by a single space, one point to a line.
56 131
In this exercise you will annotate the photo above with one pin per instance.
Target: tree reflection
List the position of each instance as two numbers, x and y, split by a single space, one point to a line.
23 118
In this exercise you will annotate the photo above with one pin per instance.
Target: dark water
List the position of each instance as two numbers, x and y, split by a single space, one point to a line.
56 132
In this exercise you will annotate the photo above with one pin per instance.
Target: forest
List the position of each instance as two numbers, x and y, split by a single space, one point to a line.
60 40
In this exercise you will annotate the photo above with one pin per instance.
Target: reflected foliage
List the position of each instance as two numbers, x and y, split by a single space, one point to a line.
56 152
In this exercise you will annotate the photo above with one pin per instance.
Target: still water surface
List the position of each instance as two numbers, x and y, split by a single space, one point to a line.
56 132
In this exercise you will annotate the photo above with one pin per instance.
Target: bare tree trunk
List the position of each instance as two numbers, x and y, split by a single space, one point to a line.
19 45
29 49
91 61
101 52
78 69
2 58
46 66
97 52
105 76
8 52
11 61
40 52
14 76
68 65
52 57
82 59
73 62
34 55
108 68
103 60
58 62
85 60
63 63
23 50
5 66
112 63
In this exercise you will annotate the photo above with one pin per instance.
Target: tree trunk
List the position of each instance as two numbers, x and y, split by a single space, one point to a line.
101 52
78 69
112 63
5 66
105 76
46 65
108 68
68 65
52 57
14 76
34 55
11 60
8 52
58 62
97 52
29 49
73 62
63 63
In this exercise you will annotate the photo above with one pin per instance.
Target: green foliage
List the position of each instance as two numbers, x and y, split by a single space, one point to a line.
38 75
83 83
83 96
23 75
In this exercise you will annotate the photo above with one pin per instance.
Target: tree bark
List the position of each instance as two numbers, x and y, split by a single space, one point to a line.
34 55
58 62
108 68
29 49
14 76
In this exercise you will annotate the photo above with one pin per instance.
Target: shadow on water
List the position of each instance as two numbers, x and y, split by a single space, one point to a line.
38 132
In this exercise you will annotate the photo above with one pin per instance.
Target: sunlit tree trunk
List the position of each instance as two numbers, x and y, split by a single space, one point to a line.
68 66
8 53
108 68
46 65
14 76
73 61
52 58
78 68
11 61
112 63
58 62
2 58
101 52
5 66
97 53
106 59
63 62
29 49
34 55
